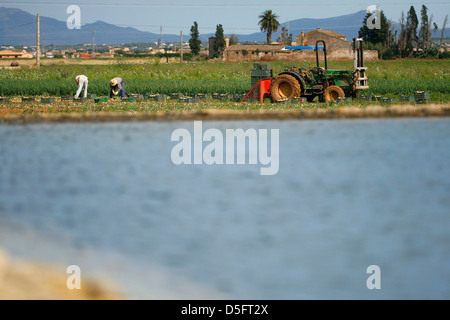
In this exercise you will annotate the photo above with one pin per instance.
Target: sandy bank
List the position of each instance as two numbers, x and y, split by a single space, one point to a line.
345 112
22 280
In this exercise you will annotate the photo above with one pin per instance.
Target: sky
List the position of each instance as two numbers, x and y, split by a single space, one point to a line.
236 17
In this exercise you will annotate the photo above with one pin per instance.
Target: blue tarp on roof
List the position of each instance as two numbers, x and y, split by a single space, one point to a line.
302 47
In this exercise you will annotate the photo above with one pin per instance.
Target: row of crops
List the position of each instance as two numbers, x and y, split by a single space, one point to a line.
101 88
10 88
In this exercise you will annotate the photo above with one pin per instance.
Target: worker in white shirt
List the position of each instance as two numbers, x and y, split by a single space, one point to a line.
81 80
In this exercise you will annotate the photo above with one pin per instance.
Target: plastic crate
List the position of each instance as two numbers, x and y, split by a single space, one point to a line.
202 96
4 100
422 96
299 100
160 98
262 66
47 100
224 96
136 96
388 100
28 99
407 99
176 96
283 100
365 98
187 99
342 100
261 73
377 98
238 97
98 99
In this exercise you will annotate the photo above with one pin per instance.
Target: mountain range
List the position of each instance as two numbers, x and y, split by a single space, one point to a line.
18 27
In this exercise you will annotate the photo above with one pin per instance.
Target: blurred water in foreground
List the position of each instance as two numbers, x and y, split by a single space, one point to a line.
348 194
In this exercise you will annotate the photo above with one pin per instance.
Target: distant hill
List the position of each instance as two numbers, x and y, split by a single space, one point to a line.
18 27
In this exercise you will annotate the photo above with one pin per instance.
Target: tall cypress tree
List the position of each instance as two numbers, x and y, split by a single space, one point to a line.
194 42
219 44
425 28
412 23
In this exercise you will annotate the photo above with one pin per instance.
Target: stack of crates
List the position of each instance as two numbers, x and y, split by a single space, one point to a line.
261 71
422 96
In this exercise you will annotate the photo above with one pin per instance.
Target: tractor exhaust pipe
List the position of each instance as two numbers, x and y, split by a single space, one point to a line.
358 56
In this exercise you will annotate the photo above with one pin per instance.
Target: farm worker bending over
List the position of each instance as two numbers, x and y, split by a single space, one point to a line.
117 87
81 80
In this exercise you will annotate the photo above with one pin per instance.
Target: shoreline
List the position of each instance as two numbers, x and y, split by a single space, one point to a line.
29 280
345 112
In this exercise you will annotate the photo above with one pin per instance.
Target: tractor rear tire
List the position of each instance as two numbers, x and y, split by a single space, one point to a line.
332 93
285 86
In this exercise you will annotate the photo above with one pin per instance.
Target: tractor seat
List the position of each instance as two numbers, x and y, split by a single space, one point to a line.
320 69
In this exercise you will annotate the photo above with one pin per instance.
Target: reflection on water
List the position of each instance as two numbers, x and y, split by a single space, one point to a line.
348 194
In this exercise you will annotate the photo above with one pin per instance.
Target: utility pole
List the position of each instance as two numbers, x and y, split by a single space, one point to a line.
38 40
181 46
93 43
161 39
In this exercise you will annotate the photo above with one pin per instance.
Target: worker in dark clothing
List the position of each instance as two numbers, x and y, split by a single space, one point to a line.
117 87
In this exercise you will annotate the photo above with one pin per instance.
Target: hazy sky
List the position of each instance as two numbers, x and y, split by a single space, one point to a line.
239 17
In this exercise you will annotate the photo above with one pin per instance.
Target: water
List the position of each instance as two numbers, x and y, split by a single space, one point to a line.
349 194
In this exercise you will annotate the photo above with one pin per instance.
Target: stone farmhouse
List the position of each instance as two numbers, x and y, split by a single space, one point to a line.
338 48
15 54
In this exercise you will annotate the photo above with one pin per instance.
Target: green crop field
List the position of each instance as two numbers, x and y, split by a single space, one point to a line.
387 78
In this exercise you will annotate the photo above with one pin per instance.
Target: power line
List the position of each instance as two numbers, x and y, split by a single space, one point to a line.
19 26
192 5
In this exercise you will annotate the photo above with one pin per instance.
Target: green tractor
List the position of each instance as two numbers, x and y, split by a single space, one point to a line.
326 84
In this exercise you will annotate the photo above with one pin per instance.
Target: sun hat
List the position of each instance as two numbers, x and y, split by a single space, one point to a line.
113 82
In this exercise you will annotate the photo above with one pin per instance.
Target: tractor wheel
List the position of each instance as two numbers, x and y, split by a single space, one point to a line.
285 86
332 93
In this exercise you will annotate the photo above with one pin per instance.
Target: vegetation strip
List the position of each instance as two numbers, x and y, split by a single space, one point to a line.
224 114
390 78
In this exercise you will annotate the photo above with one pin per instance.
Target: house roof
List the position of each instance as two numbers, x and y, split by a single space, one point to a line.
255 47
11 52
14 53
327 32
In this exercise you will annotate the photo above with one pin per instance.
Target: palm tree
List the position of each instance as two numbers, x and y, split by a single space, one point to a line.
268 22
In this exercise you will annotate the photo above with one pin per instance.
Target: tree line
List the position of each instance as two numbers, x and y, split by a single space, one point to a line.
413 39
268 22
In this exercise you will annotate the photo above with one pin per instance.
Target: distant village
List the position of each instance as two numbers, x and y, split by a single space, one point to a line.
88 50
338 48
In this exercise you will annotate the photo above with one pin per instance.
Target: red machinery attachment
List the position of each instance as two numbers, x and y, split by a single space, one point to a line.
260 90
